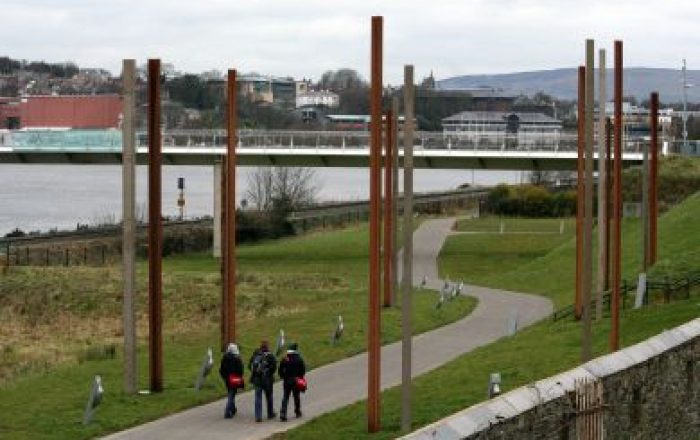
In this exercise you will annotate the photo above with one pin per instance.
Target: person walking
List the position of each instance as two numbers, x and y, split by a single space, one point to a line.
291 368
231 371
262 375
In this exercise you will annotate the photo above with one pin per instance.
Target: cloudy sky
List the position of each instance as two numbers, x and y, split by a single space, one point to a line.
305 38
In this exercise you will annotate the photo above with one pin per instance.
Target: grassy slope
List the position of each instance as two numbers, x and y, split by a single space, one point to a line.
552 273
550 347
300 284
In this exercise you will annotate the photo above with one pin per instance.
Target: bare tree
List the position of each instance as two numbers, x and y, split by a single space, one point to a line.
294 187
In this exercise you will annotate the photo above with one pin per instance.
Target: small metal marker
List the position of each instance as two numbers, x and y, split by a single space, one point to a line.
280 343
513 323
494 385
94 399
204 371
338 330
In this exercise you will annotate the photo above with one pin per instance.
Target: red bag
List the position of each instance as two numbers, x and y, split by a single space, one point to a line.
235 381
300 384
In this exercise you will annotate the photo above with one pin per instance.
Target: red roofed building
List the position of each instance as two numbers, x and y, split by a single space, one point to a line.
71 111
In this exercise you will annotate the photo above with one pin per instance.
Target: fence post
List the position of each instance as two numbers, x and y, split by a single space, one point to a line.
85 255
67 256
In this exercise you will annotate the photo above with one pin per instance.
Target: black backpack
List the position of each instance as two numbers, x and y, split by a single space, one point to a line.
261 365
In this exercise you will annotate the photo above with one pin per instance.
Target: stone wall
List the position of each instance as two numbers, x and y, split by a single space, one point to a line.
651 391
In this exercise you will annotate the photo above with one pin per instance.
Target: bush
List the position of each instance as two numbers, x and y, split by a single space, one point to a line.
530 201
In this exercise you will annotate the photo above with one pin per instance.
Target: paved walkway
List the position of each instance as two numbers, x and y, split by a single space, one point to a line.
344 382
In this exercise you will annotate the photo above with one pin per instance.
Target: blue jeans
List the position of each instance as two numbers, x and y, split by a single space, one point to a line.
258 402
230 410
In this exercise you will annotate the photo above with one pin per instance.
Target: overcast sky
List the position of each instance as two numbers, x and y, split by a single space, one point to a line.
305 38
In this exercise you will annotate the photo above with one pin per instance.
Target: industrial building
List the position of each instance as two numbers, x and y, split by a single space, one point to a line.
72 111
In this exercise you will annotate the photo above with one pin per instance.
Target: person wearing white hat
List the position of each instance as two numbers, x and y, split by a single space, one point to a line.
231 371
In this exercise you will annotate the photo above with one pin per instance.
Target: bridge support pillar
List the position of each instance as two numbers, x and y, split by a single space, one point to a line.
216 244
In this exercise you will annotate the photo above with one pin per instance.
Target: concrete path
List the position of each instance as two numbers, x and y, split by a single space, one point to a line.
344 382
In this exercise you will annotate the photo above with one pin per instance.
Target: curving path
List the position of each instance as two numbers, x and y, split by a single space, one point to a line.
344 382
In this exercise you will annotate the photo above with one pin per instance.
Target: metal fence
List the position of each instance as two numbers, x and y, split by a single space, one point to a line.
656 291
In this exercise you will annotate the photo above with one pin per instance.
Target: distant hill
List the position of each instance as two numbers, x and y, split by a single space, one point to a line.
561 83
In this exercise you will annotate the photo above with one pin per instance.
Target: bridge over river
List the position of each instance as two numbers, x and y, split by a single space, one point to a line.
301 148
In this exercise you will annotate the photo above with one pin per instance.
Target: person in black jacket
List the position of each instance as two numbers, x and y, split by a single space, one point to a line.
262 368
291 367
231 363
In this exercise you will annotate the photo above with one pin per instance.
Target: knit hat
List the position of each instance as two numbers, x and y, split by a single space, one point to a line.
233 349
293 346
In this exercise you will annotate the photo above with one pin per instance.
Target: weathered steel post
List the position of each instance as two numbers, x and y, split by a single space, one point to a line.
129 223
155 230
602 190
617 205
395 199
388 208
653 181
581 107
407 282
587 278
374 349
230 225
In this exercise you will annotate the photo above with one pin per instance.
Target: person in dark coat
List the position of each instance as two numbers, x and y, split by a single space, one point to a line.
231 363
262 368
291 367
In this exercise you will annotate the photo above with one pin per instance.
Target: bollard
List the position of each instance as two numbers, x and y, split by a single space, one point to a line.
94 399
494 385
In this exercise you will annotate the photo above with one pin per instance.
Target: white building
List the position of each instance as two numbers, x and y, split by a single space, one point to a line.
317 99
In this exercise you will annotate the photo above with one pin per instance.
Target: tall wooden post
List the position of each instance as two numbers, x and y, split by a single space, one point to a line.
617 205
374 348
129 223
587 278
155 230
230 225
580 197
601 285
388 208
653 178
407 282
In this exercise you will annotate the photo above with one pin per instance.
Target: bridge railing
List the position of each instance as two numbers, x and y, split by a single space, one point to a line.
110 140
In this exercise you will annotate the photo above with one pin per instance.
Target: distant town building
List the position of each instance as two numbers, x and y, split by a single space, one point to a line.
503 129
74 111
318 99
273 90
636 120
430 95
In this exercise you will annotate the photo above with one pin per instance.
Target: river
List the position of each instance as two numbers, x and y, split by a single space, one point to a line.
40 197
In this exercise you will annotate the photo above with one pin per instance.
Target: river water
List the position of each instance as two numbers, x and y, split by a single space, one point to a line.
40 197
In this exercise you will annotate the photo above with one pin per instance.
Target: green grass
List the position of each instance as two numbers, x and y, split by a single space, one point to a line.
299 284
551 274
534 353
517 224
543 266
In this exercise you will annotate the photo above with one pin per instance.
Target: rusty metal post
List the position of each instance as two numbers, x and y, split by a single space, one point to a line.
581 107
230 225
395 198
617 205
155 230
407 282
587 278
653 174
374 349
388 208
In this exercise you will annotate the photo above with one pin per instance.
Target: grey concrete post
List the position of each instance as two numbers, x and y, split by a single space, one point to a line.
395 197
128 223
216 247
645 207
407 282
602 190
587 273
